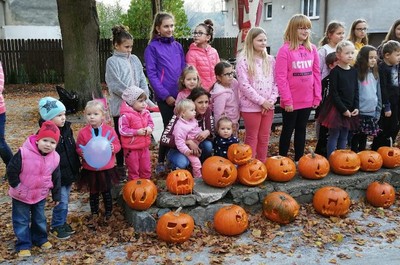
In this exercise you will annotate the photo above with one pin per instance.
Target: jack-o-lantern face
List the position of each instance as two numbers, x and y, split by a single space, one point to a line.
218 172
344 162
231 220
380 194
139 194
280 168
370 160
280 207
180 181
252 173
331 201
313 166
239 153
390 156
175 227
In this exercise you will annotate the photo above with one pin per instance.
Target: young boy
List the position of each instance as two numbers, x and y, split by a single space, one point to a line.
389 80
32 172
224 137
52 109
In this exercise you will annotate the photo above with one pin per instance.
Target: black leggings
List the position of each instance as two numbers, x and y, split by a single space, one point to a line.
166 113
294 121
120 155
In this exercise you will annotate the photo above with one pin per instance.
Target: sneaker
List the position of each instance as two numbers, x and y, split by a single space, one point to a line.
24 253
68 229
46 245
160 168
59 232
122 173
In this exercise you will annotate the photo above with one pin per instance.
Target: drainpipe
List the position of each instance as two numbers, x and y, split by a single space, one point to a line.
325 14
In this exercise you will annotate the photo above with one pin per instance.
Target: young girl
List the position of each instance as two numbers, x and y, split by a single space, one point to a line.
393 34
165 61
123 70
201 55
32 172
370 99
135 127
224 137
188 80
100 180
337 113
224 95
257 91
187 128
299 82
358 35
334 33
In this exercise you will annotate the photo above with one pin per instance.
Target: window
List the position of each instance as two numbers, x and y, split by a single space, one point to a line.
310 8
268 11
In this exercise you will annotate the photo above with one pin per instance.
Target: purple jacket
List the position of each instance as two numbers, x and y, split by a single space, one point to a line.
165 60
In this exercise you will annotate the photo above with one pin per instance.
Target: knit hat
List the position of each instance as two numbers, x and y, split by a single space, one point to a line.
131 94
48 129
50 107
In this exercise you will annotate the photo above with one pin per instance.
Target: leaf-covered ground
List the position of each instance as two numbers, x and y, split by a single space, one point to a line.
115 242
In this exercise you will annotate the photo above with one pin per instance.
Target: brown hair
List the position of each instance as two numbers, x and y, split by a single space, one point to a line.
158 20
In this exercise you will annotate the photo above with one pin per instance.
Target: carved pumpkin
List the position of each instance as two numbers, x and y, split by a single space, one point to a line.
390 155
139 194
239 153
313 166
370 160
218 172
180 182
331 201
280 168
344 162
231 220
280 207
175 227
252 173
381 193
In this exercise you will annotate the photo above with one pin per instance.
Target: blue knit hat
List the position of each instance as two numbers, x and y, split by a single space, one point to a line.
50 107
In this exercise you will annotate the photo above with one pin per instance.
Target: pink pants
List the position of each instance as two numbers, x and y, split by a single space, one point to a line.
196 166
258 130
138 163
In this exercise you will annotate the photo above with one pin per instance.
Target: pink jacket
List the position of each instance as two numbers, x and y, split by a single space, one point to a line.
255 90
2 103
204 60
182 95
298 77
129 123
36 173
84 136
185 130
225 101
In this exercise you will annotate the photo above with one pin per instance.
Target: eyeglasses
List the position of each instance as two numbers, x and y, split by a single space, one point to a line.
229 74
195 33
361 29
305 29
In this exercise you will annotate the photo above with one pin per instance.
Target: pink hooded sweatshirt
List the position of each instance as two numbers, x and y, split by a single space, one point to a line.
225 101
298 77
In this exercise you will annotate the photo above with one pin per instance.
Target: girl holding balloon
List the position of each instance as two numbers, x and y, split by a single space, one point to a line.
97 143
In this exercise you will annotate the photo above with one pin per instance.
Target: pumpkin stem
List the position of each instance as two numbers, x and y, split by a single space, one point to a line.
311 151
178 211
386 174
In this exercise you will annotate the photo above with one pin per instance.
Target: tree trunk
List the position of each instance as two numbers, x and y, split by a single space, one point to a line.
80 34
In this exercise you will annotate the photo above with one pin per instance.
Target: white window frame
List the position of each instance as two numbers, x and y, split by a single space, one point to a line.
234 19
266 6
315 11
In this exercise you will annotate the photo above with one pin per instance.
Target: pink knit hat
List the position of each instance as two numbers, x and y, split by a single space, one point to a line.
131 94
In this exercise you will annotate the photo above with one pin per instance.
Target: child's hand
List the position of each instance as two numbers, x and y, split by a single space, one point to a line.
267 105
347 113
149 131
289 108
354 112
388 113
141 131
202 135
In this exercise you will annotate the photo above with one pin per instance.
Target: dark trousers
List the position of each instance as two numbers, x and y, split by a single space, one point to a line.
358 142
120 155
166 113
389 127
294 121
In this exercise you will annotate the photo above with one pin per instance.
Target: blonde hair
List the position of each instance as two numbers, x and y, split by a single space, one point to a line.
342 44
297 21
95 104
187 70
248 52
183 105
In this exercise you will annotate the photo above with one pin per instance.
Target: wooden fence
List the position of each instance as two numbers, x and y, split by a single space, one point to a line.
42 61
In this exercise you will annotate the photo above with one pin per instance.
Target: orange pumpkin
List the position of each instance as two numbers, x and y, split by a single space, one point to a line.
280 207
313 166
231 220
218 172
239 153
139 194
370 160
252 173
331 201
175 227
390 155
180 182
344 162
280 168
381 193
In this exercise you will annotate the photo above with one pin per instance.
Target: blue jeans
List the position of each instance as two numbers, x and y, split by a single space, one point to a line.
60 212
179 160
337 138
29 223
5 151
